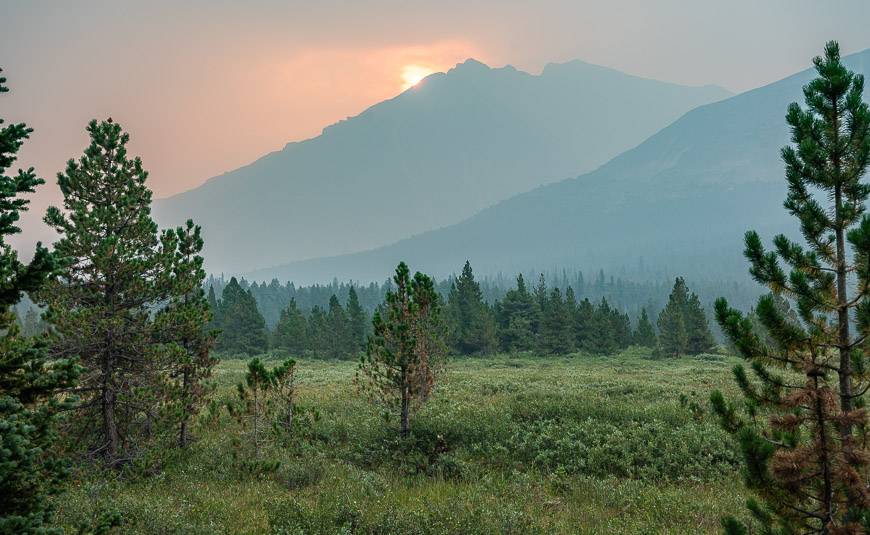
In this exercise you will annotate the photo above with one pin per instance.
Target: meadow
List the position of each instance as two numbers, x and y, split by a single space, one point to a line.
507 444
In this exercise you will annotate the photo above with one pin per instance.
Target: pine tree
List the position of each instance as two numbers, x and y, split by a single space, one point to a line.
120 270
515 314
603 334
400 365
242 327
30 377
555 335
318 331
699 339
291 330
803 430
673 331
358 320
214 307
184 326
471 326
584 317
645 335
339 339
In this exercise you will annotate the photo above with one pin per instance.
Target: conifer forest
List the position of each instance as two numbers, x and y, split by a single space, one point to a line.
568 300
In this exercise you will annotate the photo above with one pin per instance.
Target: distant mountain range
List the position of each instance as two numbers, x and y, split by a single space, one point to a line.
680 201
432 156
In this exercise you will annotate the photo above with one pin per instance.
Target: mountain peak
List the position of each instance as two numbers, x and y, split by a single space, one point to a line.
470 65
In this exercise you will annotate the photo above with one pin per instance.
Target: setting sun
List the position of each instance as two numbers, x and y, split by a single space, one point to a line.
412 74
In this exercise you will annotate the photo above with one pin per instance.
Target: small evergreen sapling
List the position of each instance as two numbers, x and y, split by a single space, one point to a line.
401 363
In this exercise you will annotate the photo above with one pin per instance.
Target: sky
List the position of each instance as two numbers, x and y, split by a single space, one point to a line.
206 86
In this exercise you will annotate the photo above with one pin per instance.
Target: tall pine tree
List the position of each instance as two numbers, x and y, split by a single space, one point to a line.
120 270
358 321
291 330
471 327
803 430
555 335
645 335
30 377
515 314
242 327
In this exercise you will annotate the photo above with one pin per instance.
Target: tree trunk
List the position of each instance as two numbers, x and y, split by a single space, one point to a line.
185 409
110 427
405 404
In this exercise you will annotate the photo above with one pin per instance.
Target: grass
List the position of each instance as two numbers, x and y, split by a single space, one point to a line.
509 444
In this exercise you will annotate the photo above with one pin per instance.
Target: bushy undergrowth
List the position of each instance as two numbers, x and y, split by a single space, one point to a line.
506 445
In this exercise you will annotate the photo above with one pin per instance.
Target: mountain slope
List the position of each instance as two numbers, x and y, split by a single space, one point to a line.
679 201
432 156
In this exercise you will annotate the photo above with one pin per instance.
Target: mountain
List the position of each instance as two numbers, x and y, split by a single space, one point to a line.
678 202
432 156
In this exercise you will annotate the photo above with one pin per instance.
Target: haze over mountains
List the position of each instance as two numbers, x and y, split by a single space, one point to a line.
680 201
433 156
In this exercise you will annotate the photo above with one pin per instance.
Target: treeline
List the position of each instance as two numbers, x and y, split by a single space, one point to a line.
542 319
629 296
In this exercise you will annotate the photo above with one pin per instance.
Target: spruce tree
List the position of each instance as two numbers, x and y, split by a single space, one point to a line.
403 357
471 327
242 327
214 307
555 335
803 423
699 339
120 270
184 326
645 335
515 315
673 331
358 321
318 331
584 317
30 377
291 330
339 338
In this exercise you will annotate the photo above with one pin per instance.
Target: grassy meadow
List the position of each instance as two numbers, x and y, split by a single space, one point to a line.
508 444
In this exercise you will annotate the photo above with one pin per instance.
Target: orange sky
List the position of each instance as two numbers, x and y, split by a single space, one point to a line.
204 86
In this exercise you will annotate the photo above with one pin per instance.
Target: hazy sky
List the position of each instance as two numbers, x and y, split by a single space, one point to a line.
206 86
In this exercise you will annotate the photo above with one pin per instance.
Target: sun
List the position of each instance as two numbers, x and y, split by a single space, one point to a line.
412 74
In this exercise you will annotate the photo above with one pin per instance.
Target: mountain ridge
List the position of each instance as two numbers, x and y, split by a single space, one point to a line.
461 140
717 164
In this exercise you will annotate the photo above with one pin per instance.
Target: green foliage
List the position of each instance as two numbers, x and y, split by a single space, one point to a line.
265 405
645 335
555 336
474 461
803 427
358 321
242 327
30 377
471 325
683 325
516 318
291 330
402 360
119 270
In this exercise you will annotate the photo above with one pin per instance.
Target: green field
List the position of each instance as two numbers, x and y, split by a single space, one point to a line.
506 445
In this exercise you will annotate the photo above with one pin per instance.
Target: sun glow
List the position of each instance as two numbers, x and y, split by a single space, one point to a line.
412 74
